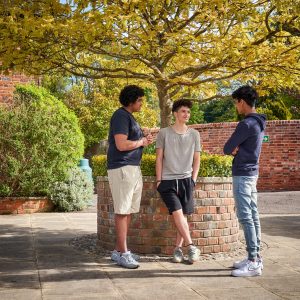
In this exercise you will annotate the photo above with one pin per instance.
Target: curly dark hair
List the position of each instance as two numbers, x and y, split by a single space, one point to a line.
130 94
246 93
182 102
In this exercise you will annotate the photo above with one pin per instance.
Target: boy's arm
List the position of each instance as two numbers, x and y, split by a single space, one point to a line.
196 165
158 164
123 144
239 136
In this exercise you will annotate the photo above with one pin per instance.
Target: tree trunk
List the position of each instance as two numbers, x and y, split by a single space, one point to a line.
165 105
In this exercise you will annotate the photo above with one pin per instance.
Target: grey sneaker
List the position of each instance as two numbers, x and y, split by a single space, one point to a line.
115 256
250 269
127 261
177 255
241 263
193 254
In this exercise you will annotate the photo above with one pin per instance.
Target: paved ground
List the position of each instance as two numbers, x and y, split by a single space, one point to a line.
37 262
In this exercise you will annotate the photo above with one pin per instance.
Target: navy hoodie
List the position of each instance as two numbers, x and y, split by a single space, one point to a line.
248 136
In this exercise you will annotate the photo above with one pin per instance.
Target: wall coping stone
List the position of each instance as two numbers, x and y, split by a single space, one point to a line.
199 179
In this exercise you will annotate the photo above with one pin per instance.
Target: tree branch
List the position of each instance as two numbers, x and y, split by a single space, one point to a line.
187 22
209 79
194 69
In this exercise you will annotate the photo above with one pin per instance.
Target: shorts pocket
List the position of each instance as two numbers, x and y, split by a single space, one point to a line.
193 182
158 187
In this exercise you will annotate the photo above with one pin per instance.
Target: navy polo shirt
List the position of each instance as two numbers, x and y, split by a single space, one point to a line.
123 122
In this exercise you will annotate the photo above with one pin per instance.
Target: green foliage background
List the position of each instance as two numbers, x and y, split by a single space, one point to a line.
212 165
281 105
74 192
94 102
40 139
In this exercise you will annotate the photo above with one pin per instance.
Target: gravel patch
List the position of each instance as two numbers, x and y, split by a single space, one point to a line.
89 245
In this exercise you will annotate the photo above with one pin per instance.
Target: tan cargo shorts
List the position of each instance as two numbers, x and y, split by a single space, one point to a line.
126 185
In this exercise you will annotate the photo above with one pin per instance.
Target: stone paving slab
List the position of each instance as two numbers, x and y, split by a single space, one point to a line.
279 202
37 261
22 293
240 293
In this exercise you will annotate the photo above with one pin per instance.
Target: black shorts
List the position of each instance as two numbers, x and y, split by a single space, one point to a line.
178 194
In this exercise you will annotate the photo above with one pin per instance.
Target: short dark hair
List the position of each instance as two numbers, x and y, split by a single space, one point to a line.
247 93
182 102
130 94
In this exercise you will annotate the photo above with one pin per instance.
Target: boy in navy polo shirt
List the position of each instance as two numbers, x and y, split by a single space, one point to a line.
126 142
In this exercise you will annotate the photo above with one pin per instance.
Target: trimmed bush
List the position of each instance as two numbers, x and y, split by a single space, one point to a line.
40 140
98 164
74 193
212 165
148 164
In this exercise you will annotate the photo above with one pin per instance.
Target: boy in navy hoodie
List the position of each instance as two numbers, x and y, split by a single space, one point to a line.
245 145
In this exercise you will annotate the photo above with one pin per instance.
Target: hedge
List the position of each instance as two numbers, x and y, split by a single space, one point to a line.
212 165
40 139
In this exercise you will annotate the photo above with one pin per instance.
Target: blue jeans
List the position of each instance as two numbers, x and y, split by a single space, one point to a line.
245 196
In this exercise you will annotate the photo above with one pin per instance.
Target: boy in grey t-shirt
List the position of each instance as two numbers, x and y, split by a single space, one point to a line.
177 165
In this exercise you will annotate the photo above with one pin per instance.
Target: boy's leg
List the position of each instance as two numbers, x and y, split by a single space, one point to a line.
121 225
179 240
255 215
243 187
182 226
126 187
128 221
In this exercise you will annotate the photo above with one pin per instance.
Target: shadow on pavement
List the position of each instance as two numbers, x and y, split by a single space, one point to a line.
287 226
28 256
31 257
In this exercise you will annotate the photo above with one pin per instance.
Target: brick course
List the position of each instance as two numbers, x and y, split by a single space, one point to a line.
280 157
24 205
8 83
213 226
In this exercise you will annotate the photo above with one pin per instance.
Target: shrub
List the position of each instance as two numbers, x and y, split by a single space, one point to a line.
99 167
151 149
40 140
74 193
148 165
95 109
212 165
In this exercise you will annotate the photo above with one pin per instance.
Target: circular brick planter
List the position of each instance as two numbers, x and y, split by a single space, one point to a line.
24 205
214 226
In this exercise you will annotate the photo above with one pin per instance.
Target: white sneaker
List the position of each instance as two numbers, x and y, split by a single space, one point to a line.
250 269
241 263
115 256
177 255
127 261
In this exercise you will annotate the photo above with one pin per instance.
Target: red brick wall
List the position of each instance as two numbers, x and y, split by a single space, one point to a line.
280 157
7 85
24 205
214 226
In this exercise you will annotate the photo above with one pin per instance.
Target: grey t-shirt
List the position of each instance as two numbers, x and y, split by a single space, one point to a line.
179 152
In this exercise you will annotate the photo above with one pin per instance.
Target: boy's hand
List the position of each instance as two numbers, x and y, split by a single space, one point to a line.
146 131
235 151
150 139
